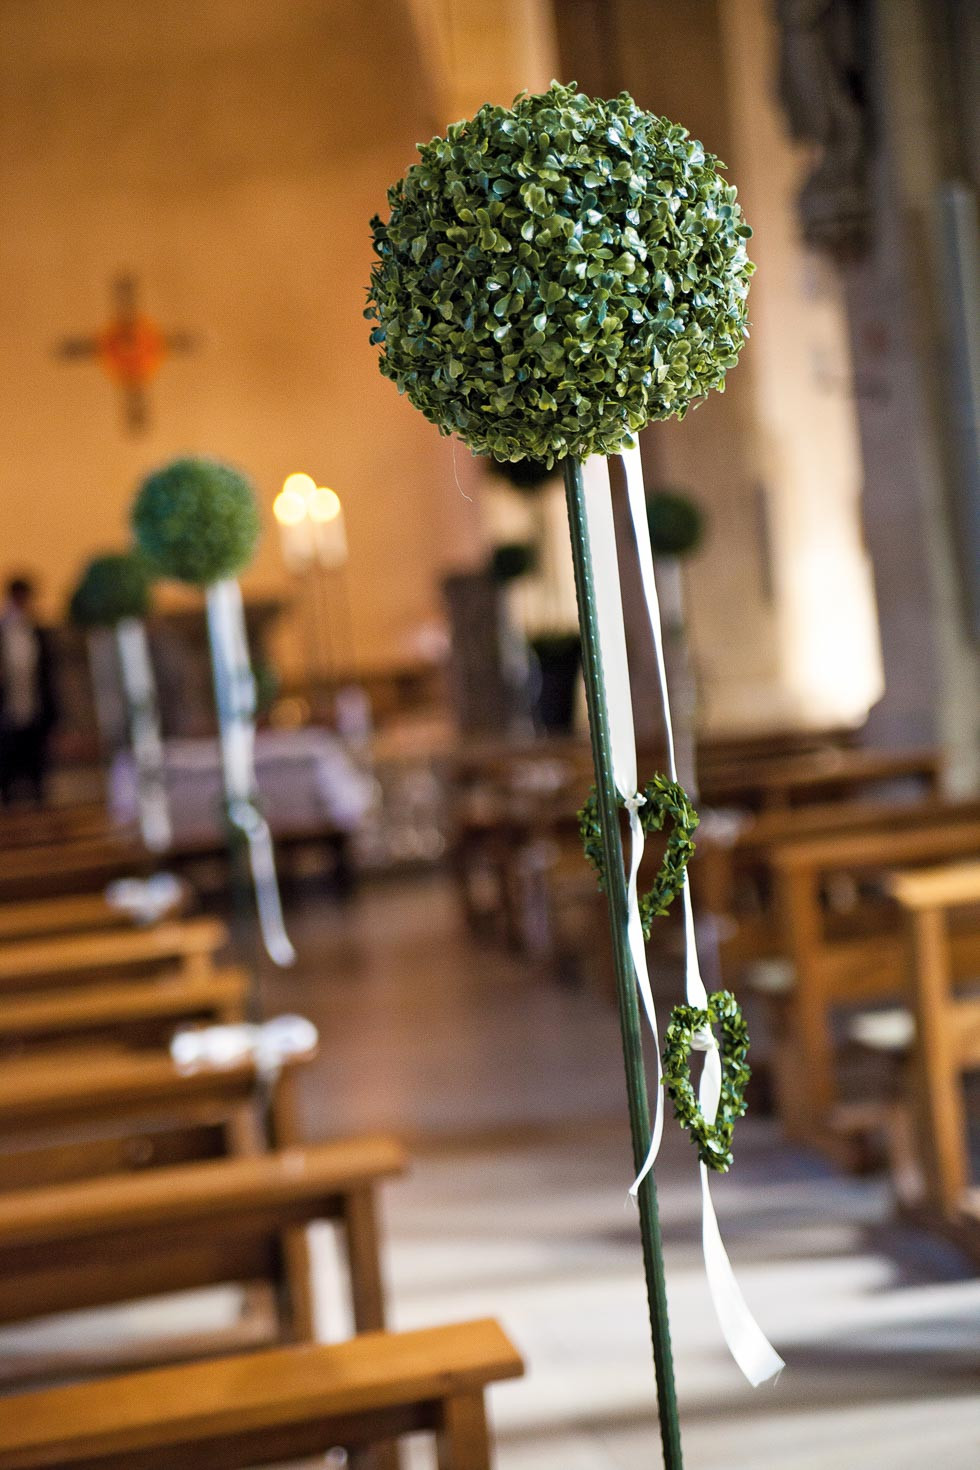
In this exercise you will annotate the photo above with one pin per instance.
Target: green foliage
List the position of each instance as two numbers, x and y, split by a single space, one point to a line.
675 521
663 800
512 559
526 475
112 587
556 274
197 520
714 1141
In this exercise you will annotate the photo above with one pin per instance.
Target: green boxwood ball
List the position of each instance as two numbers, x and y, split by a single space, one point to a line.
676 523
197 520
111 588
555 274
511 560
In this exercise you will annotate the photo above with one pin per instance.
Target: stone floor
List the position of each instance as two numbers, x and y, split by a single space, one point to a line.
510 1092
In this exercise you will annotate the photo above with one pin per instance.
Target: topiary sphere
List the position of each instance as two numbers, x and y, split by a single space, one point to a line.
676 524
197 520
111 588
511 560
556 274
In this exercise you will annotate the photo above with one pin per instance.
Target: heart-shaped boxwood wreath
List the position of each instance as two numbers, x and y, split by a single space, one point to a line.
713 1140
112 587
662 799
555 274
197 520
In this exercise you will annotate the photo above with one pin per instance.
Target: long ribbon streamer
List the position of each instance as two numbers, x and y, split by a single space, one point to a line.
139 686
234 686
747 1343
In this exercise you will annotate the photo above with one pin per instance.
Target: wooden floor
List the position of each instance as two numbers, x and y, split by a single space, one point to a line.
510 1092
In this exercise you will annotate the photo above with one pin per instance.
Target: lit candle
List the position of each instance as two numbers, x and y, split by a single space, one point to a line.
327 520
290 509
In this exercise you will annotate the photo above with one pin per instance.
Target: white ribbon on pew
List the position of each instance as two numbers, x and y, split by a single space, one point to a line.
269 1045
145 900
747 1343
234 685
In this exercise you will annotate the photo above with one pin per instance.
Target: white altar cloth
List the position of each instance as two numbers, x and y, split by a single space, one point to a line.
307 781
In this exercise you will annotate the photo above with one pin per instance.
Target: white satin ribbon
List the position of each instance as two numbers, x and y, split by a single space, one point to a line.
269 1046
234 686
748 1345
139 687
145 900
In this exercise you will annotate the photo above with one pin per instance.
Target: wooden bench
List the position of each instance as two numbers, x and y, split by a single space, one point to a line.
817 776
94 1242
847 960
74 866
70 914
733 867
144 1012
272 1406
185 946
946 1038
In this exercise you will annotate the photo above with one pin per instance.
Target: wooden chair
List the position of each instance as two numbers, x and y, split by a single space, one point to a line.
94 1242
68 914
846 959
947 1037
142 1012
273 1406
185 947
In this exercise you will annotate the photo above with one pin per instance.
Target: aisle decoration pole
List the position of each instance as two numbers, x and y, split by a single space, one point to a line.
113 594
197 520
552 277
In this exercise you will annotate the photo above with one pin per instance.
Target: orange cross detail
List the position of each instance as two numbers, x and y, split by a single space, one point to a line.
130 350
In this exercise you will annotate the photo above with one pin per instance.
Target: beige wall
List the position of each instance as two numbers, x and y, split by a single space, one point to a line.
232 155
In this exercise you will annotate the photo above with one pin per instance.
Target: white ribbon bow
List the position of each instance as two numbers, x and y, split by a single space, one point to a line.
269 1046
139 687
747 1343
145 900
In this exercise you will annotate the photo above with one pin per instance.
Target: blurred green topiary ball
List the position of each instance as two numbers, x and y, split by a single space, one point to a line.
197 520
676 523
556 274
111 588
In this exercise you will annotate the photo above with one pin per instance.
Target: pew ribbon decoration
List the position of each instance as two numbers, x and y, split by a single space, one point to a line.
755 1356
234 685
269 1045
145 900
197 520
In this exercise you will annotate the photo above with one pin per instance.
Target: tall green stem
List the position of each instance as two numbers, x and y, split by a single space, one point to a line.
629 1013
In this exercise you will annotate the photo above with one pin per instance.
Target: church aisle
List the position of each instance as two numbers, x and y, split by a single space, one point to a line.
509 1091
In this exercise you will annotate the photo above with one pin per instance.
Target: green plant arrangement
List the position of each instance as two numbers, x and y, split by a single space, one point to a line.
554 275
112 587
551 278
663 800
687 1025
675 522
197 520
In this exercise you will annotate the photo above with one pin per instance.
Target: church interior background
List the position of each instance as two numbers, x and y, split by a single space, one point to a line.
186 192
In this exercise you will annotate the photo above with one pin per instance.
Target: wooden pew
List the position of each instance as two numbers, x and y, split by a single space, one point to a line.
29 826
184 947
847 959
80 865
144 1013
93 1242
947 1037
733 876
70 914
273 1406
822 775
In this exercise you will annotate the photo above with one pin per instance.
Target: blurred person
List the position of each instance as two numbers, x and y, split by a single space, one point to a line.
27 700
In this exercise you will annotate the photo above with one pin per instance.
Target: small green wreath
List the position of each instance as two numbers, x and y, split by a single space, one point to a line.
713 1140
662 799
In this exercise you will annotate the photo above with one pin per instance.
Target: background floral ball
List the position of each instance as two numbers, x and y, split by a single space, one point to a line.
197 520
112 587
556 274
